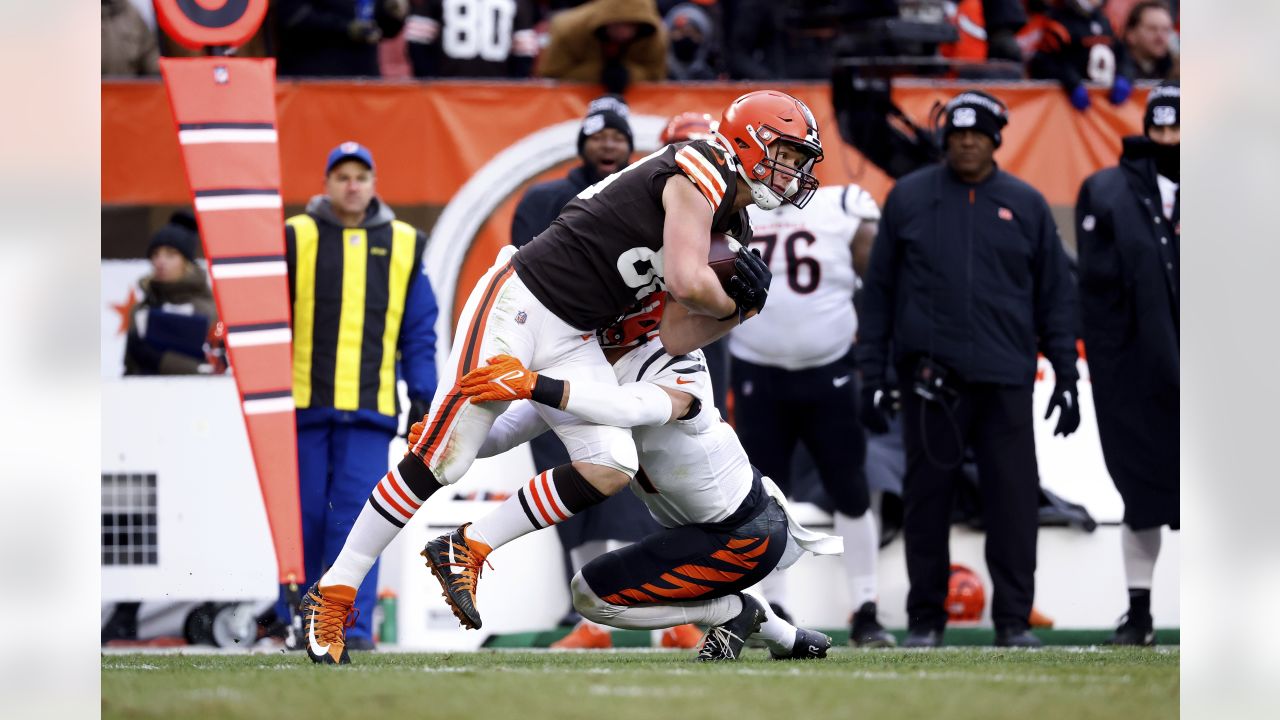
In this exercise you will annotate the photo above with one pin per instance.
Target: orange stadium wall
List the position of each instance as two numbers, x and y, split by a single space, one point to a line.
430 139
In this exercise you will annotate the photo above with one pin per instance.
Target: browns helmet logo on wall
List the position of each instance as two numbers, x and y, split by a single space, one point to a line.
197 24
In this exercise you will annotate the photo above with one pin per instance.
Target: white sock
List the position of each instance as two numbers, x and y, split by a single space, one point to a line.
861 551
369 536
652 617
778 633
1141 548
549 498
503 524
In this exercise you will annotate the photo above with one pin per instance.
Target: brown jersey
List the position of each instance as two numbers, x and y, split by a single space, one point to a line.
604 252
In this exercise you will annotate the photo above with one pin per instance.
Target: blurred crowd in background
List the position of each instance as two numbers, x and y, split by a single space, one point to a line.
616 42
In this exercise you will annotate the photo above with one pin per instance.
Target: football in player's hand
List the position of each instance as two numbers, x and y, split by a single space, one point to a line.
724 250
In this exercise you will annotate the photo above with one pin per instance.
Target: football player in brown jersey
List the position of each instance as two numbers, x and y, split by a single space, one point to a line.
642 229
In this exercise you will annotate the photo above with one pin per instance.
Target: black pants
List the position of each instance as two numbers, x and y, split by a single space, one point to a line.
695 562
775 408
996 422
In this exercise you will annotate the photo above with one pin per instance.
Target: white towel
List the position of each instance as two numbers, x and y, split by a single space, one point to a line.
801 539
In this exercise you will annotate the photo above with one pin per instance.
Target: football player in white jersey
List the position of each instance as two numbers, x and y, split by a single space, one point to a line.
794 379
725 526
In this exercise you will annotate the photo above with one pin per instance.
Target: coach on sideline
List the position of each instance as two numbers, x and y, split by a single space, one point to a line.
967 278
1129 236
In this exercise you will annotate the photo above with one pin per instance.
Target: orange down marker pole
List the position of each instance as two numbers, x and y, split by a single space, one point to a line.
225 113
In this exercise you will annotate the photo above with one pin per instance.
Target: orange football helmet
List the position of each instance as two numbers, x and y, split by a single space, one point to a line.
753 126
965 595
687 126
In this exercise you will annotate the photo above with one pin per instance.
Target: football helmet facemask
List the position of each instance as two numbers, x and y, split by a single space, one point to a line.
753 127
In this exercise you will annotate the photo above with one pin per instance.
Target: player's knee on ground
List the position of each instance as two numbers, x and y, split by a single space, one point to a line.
588 604
608 480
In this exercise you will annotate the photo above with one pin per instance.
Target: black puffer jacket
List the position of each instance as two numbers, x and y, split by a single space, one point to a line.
973 275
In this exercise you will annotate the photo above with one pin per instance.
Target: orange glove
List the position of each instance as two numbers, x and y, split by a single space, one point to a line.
415 432
504 378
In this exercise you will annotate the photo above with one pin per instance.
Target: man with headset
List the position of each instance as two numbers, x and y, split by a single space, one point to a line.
967 280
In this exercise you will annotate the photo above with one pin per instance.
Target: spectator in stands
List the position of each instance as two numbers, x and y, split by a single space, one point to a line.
364 315
335 38
965 345
692 43
987 30
613 42
169 327
1128 234
1148 34
128 43
460 44
1078 46
772 40
1003 19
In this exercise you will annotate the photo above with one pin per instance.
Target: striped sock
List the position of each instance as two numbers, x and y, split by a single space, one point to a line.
549 498
403 490
391 504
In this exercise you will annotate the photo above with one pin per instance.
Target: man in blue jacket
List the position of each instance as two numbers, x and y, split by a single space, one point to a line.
1129 236
967 280
364 316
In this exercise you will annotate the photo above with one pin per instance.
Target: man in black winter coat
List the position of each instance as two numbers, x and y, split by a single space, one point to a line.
604 144
967 280
335 38
1128 234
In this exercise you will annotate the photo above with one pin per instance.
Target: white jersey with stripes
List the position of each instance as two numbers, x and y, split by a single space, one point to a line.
809 320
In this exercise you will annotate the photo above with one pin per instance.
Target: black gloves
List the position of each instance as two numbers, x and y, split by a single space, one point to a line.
1067 400
417 410
749 286
877 408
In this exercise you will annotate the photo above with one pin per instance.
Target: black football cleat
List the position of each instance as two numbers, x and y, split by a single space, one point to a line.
923 638
809 645
725 642
457 563
1139 632
1018 637
867 632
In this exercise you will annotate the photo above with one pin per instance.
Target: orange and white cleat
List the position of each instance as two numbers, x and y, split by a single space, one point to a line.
682 636
457 561
586 636
326 615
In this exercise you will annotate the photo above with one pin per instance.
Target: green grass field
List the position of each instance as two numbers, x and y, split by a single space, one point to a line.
953 683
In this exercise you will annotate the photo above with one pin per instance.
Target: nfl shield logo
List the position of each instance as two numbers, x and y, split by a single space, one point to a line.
1005 213
521 317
